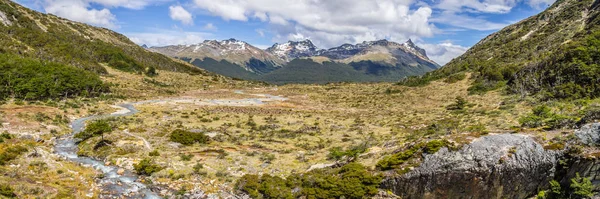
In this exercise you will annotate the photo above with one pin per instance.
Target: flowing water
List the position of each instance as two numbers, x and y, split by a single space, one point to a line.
125 184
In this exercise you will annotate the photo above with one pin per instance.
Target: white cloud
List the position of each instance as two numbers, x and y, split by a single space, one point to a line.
161 37
82 10
329 22
79 11
443 53
178 13
468 22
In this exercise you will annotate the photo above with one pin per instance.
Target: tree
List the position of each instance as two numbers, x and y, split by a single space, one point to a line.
98 128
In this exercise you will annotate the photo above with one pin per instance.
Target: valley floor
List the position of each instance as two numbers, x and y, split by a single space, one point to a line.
291 134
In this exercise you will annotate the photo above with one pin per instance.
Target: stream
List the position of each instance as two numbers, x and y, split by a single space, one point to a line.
114 185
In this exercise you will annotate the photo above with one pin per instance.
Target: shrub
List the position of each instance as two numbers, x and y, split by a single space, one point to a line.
11 153
154 153
146 167
460 103
7 191
349 181
455 78
581 187
188 138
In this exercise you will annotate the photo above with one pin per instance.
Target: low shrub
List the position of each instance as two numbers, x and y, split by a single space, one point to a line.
349 181
146 167
188 138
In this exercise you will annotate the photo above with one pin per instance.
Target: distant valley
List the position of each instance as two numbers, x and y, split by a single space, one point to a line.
303 62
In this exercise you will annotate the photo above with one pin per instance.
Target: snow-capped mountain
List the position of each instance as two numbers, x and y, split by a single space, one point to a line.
231 50
381 50
381 60
293 50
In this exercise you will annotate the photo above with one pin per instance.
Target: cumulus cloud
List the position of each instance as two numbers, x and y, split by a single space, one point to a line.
79 11
82 10
178 13
167 37
329 22
443 53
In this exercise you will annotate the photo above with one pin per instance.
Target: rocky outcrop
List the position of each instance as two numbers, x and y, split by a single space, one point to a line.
589 134
497 166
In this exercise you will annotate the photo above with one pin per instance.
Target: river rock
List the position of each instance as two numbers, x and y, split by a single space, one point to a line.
477 171
121 171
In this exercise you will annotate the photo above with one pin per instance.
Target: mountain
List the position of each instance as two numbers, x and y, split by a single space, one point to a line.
250 58
294 49
372 61
553 55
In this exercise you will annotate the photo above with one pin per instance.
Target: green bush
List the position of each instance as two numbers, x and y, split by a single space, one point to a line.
349 181
146 167
543 116
455 78
188 138
581 187
460 103
154 153
7 191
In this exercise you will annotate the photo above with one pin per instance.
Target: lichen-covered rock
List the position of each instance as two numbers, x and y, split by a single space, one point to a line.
589 134
496 166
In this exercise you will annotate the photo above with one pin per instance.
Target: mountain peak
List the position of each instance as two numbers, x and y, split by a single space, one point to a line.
294 49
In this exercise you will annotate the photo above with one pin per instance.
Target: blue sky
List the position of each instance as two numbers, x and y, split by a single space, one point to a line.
445 28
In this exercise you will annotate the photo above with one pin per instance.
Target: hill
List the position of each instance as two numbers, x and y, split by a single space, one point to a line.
552 55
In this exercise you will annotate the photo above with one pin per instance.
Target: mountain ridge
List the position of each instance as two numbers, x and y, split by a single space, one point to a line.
391 60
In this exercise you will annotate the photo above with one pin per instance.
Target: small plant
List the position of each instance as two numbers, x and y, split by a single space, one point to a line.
460 103
7 191
581 187
154 153
185 157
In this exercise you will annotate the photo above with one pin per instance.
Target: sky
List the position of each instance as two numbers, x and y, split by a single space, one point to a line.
444 28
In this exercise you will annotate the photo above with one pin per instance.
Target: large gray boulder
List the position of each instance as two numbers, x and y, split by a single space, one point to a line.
496 166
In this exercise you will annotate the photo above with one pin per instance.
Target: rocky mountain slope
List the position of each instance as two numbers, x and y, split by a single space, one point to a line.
237 52
368 61
294 49
551 54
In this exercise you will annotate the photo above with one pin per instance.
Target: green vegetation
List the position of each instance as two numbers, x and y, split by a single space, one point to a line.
188 138
349 155
529 58
10 152
408 156
460 104
46 37
96 128
7 191
146 167
349 181
579 188
30 79
542 116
